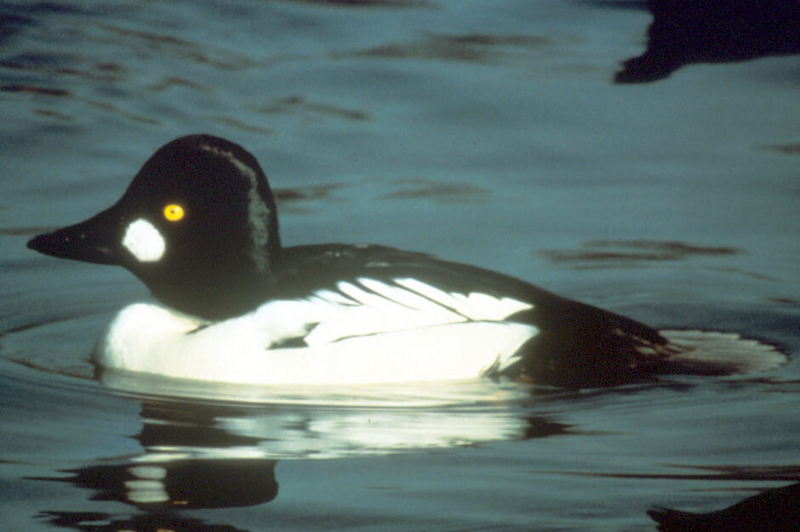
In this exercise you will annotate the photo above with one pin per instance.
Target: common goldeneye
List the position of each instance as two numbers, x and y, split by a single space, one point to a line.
198 225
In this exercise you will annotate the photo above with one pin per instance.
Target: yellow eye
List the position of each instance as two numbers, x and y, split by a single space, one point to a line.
174 212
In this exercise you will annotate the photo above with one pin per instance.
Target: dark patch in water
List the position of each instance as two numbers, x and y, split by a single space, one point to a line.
368 3
25 231
309 193
791 148
69 8
149 36
776 510
34 89
545 428
183 49
113 67
687 31
49 63
238 124
15 16
709 472
147 522
471 47
299 104
296 199
784 300
11 24
751 274
638 5
612 253
673 247
174 81
445 192
61 93
31 61
126 114
53 114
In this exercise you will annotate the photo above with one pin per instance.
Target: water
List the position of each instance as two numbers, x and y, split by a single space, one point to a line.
486 132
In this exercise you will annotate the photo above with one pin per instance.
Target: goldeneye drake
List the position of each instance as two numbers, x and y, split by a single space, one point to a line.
199 226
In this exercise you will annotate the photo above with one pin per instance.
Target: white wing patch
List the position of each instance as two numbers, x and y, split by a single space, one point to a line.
475 306
375 307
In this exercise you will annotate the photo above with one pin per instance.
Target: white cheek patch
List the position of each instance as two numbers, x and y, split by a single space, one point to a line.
144 241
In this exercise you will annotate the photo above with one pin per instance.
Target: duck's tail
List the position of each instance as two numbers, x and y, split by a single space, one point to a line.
719 353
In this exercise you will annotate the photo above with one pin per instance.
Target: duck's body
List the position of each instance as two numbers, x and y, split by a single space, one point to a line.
199 226
340 314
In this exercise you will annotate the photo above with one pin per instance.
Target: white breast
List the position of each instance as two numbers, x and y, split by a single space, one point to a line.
367 331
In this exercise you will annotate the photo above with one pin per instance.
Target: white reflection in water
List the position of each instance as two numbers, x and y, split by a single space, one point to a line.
322 422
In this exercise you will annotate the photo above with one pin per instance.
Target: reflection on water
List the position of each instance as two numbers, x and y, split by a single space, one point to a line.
213 455
688 31
181 484
103 522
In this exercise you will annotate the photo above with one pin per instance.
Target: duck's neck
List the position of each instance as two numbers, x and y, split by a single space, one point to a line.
215 300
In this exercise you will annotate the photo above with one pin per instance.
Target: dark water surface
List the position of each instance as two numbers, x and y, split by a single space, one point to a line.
506 134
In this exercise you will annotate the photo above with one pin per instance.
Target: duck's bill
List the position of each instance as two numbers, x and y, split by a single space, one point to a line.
90 241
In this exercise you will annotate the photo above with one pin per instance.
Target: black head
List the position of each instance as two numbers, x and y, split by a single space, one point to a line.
198 225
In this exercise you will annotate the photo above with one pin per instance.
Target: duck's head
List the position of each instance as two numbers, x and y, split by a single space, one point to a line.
198 225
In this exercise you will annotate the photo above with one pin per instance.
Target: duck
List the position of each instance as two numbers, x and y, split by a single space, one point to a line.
198 225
